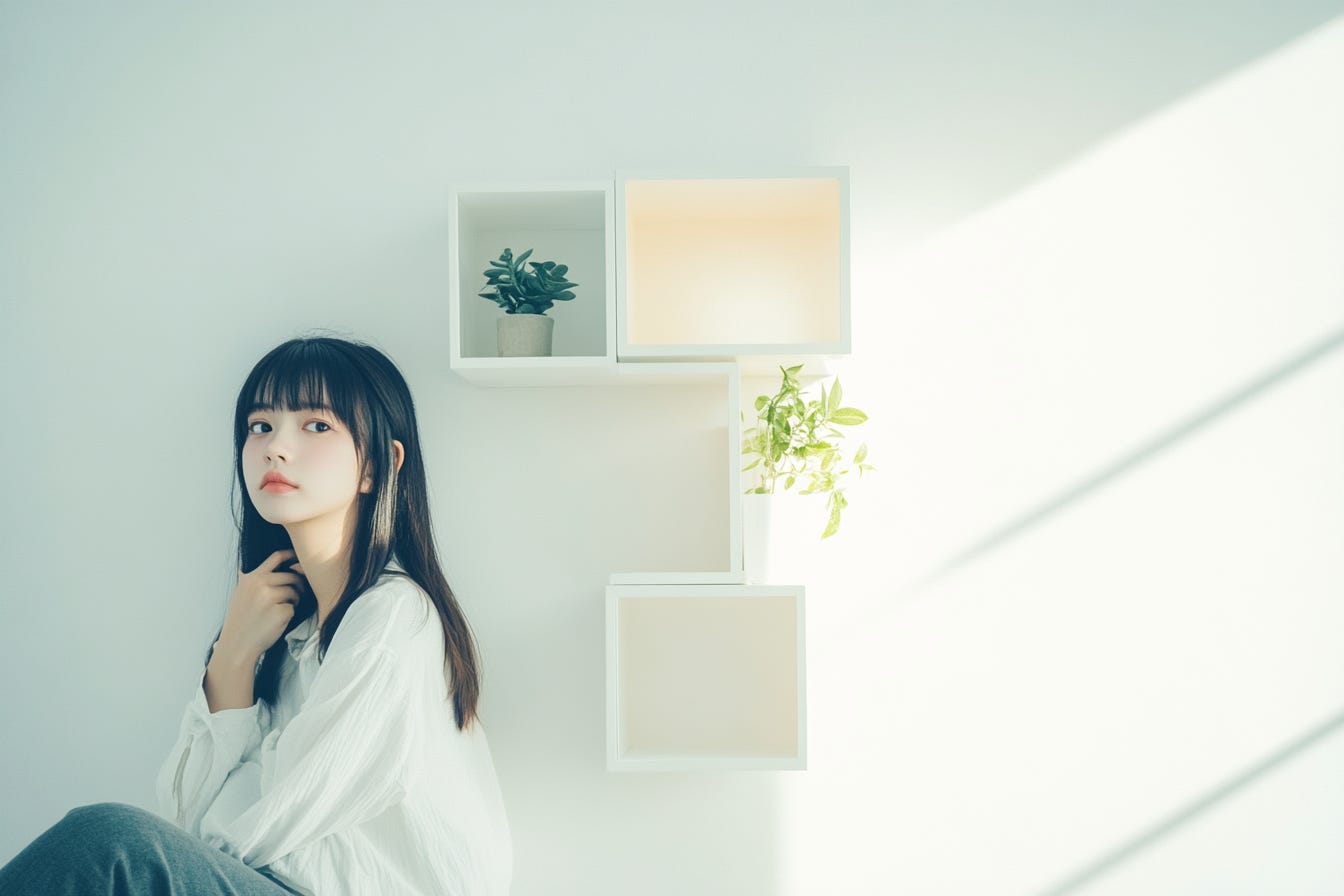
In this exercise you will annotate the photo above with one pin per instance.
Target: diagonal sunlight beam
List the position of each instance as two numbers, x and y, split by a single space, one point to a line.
1145 452
1193 810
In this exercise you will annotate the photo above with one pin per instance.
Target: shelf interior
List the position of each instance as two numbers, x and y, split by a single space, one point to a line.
564 226
733 261
708 676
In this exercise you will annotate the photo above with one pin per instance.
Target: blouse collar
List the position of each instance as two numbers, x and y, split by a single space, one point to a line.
300 635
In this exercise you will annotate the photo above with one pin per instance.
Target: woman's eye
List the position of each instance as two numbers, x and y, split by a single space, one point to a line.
252 427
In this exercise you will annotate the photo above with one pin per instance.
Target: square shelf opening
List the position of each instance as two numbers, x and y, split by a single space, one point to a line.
567 226
706 676
740 264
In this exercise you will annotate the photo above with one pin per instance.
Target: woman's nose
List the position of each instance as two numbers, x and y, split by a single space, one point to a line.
277 446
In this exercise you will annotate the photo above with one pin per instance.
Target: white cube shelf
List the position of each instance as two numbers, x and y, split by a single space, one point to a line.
568 223
677 578
705 676
746 267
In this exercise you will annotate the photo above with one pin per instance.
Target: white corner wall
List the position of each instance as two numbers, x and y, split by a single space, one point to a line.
1097 327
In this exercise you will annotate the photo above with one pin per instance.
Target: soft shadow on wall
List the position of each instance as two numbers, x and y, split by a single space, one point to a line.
1102 414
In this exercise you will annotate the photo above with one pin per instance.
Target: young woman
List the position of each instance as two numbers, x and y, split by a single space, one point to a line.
332 746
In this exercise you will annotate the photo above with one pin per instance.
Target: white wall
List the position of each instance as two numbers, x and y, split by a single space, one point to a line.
1093 579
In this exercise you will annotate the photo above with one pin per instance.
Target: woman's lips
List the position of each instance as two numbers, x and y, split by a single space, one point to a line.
277 486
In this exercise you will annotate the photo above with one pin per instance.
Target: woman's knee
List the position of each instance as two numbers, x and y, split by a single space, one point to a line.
102 827
85 849
101 811
116 816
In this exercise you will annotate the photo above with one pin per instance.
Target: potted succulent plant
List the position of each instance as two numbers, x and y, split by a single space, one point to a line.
795 438
525 297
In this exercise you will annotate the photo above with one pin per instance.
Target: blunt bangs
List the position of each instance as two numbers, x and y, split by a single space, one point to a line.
307 374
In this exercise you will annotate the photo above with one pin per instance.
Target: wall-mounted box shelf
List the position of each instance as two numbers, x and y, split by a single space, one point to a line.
735 577
746 267
683 278
705 676
531 372
569 223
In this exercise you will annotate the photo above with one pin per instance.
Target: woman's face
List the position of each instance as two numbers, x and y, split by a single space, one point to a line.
310 448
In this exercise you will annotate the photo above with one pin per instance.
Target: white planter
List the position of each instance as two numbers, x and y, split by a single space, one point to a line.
525 335
756 513
781 534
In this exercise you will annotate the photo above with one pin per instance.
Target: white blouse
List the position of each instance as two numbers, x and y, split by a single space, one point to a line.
359 781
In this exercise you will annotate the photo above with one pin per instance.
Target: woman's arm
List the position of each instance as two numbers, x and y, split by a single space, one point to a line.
209 746
340 761
229 680
223 721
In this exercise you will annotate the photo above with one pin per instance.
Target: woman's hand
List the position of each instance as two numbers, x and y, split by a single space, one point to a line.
261 606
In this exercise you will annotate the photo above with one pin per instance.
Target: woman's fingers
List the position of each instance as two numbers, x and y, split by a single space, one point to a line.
286 582
274 560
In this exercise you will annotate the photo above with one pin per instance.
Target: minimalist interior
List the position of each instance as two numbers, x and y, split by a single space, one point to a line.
1079 633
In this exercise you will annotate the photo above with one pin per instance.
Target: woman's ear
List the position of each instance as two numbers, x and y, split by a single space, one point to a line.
366 485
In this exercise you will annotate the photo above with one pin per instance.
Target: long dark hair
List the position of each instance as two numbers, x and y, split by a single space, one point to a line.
367 392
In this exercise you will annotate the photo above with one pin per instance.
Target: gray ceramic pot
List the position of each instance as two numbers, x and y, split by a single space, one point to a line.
525 335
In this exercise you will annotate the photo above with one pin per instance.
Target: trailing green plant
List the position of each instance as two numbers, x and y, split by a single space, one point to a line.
526 292
794 437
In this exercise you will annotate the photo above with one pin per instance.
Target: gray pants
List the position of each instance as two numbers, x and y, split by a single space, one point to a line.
120 850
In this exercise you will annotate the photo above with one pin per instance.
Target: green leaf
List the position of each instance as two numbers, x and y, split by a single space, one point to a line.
832 525
521 258
848 416
788 483
861 454
833 400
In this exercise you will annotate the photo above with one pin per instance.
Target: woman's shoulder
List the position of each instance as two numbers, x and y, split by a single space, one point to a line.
389 613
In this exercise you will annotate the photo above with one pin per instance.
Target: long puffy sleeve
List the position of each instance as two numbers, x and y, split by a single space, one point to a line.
209 747
341 760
